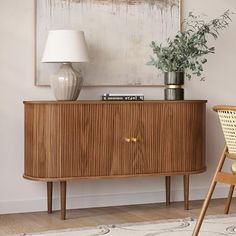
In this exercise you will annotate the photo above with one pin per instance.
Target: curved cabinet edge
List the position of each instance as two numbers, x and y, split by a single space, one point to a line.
112 176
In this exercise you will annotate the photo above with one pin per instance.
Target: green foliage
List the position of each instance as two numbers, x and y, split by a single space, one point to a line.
187 50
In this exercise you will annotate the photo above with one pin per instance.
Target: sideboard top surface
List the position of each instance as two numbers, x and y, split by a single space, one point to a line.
112 102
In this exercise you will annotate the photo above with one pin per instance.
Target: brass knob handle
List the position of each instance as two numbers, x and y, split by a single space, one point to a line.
133 139
127 140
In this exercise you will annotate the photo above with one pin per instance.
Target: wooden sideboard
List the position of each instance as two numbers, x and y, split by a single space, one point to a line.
95 139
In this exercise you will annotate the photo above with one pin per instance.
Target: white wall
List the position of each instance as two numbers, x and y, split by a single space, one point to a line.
16 85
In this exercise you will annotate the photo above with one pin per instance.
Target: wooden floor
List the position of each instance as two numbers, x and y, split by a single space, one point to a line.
41 221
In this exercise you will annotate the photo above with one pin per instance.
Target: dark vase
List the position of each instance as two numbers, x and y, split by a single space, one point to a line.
173 85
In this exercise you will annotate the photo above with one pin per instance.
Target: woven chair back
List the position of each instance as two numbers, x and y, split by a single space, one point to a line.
227 115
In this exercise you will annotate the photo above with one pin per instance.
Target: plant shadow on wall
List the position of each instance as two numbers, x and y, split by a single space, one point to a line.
185 54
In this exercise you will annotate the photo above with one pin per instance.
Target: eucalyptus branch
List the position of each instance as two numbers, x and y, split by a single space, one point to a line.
187 50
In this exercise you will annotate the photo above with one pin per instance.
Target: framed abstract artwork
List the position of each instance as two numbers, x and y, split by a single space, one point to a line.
118 34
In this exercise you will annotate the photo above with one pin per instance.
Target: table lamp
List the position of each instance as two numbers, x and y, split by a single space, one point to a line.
66 47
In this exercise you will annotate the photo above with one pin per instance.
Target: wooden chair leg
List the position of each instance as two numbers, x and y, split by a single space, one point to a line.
186 192
204 209
229 199
63 199
49 196
168 186
209 194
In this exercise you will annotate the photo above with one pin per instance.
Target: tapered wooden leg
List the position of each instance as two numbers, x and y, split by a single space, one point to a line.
168 185
209 194
229 199
186 192
63 199
49 194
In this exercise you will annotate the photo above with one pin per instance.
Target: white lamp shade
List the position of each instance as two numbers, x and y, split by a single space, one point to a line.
65 46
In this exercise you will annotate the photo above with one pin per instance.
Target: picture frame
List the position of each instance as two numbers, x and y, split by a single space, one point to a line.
107 67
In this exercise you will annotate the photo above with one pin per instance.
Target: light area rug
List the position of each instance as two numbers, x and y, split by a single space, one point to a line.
212 226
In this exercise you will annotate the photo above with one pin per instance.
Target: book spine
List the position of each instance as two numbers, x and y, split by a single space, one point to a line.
122 98
123 94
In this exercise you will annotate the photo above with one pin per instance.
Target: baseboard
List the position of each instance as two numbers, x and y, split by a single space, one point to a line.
74 202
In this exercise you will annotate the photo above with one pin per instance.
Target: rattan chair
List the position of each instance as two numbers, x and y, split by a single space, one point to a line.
227 116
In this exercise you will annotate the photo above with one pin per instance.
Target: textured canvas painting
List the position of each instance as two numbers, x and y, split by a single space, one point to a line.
118 34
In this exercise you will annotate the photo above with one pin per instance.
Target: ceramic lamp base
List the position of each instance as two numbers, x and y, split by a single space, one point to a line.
66 84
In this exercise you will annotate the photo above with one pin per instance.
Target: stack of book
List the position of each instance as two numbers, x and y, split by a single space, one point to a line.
122 97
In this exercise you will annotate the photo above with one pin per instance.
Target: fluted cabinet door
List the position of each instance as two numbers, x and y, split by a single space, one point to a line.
170 138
